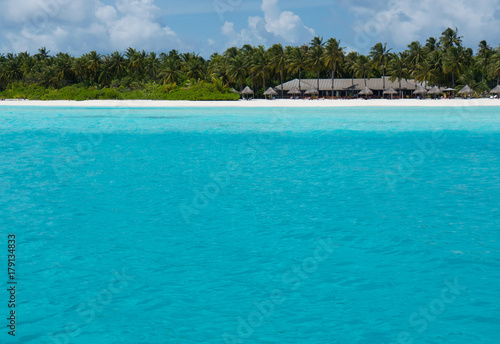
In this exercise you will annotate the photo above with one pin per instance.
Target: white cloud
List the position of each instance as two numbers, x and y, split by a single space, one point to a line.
401 22
277 25
77 26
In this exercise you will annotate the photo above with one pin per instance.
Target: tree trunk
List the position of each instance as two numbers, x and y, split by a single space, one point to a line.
281 78
453 78
318 81
333 82
383 75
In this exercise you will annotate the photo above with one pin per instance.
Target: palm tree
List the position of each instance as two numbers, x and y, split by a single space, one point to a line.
297 60
450 38
260 64
453 63
380 56
118 64
350 61
363 67
170 70
397 69
484 54
416 55
278 61
494 67
237 71
333 57
93 64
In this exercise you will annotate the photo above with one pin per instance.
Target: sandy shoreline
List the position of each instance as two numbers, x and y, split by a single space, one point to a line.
257 103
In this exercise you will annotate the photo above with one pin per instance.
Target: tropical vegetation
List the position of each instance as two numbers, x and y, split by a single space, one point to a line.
134 74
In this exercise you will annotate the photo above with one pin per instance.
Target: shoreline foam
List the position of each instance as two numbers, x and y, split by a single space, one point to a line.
256 103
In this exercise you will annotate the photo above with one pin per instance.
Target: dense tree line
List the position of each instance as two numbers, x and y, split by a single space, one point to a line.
442 61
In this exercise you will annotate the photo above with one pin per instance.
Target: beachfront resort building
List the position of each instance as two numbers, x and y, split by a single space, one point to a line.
348 87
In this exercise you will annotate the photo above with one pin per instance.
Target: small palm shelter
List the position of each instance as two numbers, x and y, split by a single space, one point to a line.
435 91
366 92
390 91
466 91
270 92
496 90
312 91
247 91
421 91
294 91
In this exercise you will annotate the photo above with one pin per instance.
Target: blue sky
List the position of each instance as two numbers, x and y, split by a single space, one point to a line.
207 26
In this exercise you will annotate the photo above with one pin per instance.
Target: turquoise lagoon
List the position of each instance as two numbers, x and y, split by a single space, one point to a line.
343 225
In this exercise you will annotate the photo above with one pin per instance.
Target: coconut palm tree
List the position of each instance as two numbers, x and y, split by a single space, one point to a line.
398 69
170 70
350 61
380 56
363 67
454 62
237 71
333 57
416 56
297 60
484 55
278 62
494 67
260 64
450 38
118 64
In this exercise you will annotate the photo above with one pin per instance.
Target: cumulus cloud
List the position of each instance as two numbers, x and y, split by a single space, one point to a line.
276 25
401 22
78 26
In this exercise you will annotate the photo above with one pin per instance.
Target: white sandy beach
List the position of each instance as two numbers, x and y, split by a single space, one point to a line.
256 103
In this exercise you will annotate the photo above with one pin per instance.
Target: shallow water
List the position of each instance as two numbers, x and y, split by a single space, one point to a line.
346 225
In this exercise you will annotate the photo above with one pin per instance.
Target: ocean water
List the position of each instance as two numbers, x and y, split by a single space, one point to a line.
345 225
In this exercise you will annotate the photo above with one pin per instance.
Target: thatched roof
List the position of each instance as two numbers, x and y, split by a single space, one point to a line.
420 90
375 84
234 91
366 92
466 90
247 90
270 92
449 89
496 90
390 90
435 90
312 90
294 90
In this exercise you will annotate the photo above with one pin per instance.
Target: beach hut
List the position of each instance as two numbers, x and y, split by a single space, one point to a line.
466 91
247 91
435 91
366 92
294 91
496 90
271 92
390 91
311 91
421 91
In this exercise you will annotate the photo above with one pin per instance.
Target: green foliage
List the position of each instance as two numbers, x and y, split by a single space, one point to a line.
152 91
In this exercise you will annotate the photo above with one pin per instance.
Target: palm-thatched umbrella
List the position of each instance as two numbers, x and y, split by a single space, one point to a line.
234 91
294 90
271 92
247 91
421 90
311 91
366 92
466 90
390 91
496 90
435 90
